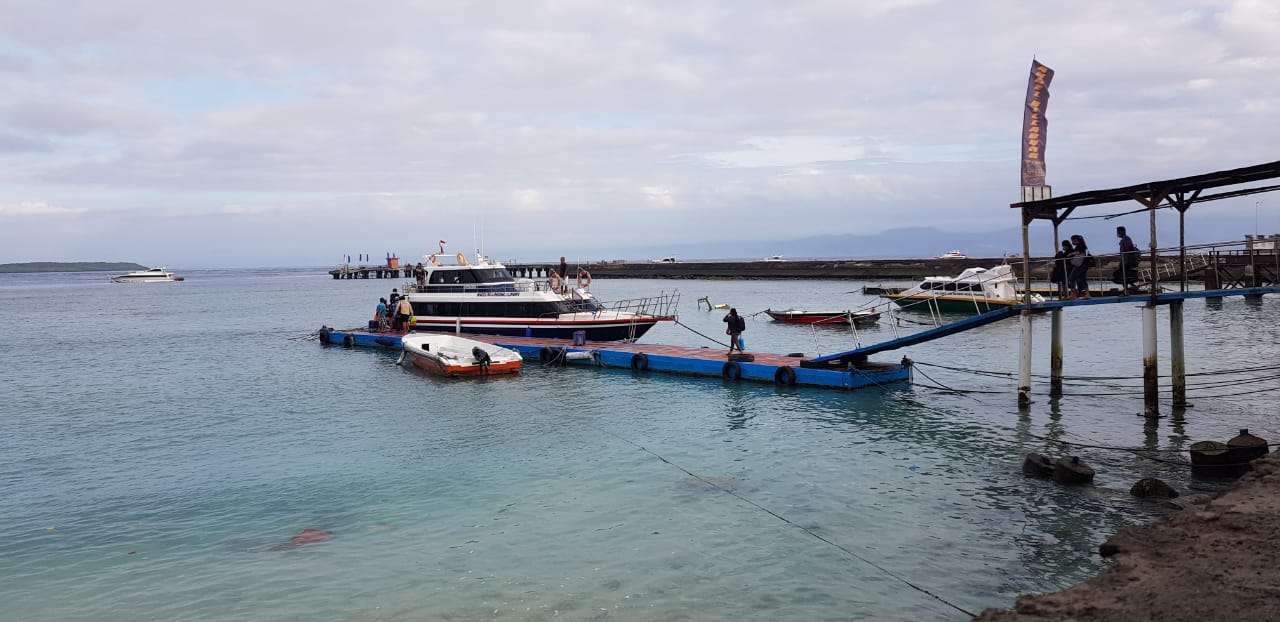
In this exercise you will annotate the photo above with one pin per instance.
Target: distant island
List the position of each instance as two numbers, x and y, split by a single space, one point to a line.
70 266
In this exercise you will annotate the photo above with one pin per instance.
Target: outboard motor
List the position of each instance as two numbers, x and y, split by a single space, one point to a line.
481 357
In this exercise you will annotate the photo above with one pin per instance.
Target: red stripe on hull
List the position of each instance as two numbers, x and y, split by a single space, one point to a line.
433 366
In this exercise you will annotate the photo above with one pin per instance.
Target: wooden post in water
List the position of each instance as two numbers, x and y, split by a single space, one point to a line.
1024 360
1177 355
1150 376
1055 334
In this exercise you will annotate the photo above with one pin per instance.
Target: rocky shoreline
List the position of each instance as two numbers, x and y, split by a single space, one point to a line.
1215 560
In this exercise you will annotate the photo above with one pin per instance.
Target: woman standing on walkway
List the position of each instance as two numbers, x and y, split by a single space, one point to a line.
1079 264
1058 276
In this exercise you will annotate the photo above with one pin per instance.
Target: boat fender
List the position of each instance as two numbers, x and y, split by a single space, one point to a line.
596 359
640 361
796 355
785 376
545 355
584 279
348 340
325 331
731 371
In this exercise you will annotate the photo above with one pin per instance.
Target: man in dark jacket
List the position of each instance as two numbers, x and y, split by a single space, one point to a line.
1127 273
734 329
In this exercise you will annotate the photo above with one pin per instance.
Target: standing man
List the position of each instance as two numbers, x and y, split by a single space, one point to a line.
404 311
1127 273
736 325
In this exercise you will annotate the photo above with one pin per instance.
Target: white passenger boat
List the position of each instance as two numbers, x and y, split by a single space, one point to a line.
953 255
451 355
150 275
482 297
976 289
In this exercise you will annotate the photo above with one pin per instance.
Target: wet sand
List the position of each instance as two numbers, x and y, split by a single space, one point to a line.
1218 560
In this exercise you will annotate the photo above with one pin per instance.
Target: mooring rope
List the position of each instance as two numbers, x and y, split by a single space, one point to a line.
790 522
692 330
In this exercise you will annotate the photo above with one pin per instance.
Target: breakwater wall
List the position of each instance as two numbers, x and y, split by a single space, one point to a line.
848 269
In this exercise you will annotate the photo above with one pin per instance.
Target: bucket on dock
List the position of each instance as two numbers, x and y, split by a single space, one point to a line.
579 337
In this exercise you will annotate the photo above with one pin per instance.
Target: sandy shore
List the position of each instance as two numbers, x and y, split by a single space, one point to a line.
1214 561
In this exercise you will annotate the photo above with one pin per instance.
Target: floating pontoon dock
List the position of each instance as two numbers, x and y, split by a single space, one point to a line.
770 368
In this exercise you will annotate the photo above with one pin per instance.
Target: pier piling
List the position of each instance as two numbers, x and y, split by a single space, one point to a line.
1055 353
1024 361
1177 356
1150 377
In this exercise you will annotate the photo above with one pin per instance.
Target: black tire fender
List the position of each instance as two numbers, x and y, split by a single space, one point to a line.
640 361
348 340
546 355
731 371
785 376
325 335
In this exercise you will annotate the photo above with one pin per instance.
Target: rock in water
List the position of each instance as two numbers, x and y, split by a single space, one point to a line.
1036 465
1148 487
1072 471
309 535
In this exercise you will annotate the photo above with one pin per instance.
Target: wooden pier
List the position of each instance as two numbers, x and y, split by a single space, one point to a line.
655 358
368 272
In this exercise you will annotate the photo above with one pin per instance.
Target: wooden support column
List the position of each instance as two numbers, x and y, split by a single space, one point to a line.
1150 375
1024 360
1055 335
1177 355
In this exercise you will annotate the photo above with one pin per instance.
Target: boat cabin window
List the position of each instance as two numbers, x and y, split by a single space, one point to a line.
490 309
468 277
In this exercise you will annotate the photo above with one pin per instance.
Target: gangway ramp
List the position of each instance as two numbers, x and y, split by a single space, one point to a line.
952 328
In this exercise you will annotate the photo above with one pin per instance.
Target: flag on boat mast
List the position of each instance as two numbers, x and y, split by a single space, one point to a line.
1035 129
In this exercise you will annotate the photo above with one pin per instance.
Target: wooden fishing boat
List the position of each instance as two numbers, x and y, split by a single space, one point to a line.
451 355
835 318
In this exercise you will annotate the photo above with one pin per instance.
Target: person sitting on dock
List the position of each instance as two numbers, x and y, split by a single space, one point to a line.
1058 276
1127 273
404 311
735 329
1081 261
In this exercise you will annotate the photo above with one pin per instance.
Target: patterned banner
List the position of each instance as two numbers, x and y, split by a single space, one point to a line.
1034 125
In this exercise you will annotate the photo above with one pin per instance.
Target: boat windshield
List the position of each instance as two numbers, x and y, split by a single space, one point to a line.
470 276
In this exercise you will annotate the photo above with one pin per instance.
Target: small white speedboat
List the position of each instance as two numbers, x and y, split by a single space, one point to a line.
451 355
953 255
150 275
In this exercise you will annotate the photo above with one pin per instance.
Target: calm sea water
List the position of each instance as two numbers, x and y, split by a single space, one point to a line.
157 442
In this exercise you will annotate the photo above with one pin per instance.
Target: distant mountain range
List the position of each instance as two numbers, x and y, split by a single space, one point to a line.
69 266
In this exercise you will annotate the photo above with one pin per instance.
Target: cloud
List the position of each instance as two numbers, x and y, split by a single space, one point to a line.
36 209
729 120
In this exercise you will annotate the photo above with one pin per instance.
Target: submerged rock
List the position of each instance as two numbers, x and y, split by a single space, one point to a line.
1037 465
1149 487
1072 471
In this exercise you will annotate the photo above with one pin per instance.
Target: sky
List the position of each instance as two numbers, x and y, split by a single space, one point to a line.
236 133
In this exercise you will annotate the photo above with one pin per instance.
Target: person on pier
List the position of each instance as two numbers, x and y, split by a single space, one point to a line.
1058 276
1127 273
1079 265
404 311
735 328
380 314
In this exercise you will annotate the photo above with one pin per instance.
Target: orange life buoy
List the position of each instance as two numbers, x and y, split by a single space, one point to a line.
584 279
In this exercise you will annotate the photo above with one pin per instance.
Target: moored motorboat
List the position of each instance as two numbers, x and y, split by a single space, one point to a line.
150 275
974 290
793 316
482 297
451 355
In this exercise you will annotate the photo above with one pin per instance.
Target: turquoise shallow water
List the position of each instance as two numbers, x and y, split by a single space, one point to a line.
158 441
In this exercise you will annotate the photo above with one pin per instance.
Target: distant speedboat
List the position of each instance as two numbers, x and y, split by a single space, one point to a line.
666 260
953 255
450 355
774 258
150 275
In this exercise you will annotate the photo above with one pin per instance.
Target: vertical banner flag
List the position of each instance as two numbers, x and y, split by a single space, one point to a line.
1034 125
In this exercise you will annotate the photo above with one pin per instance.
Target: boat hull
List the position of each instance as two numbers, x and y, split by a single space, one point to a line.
951 304
435 366
817 317
596 330
120 279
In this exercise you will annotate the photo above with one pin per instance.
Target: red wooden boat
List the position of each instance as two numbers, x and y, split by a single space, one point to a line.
834 318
